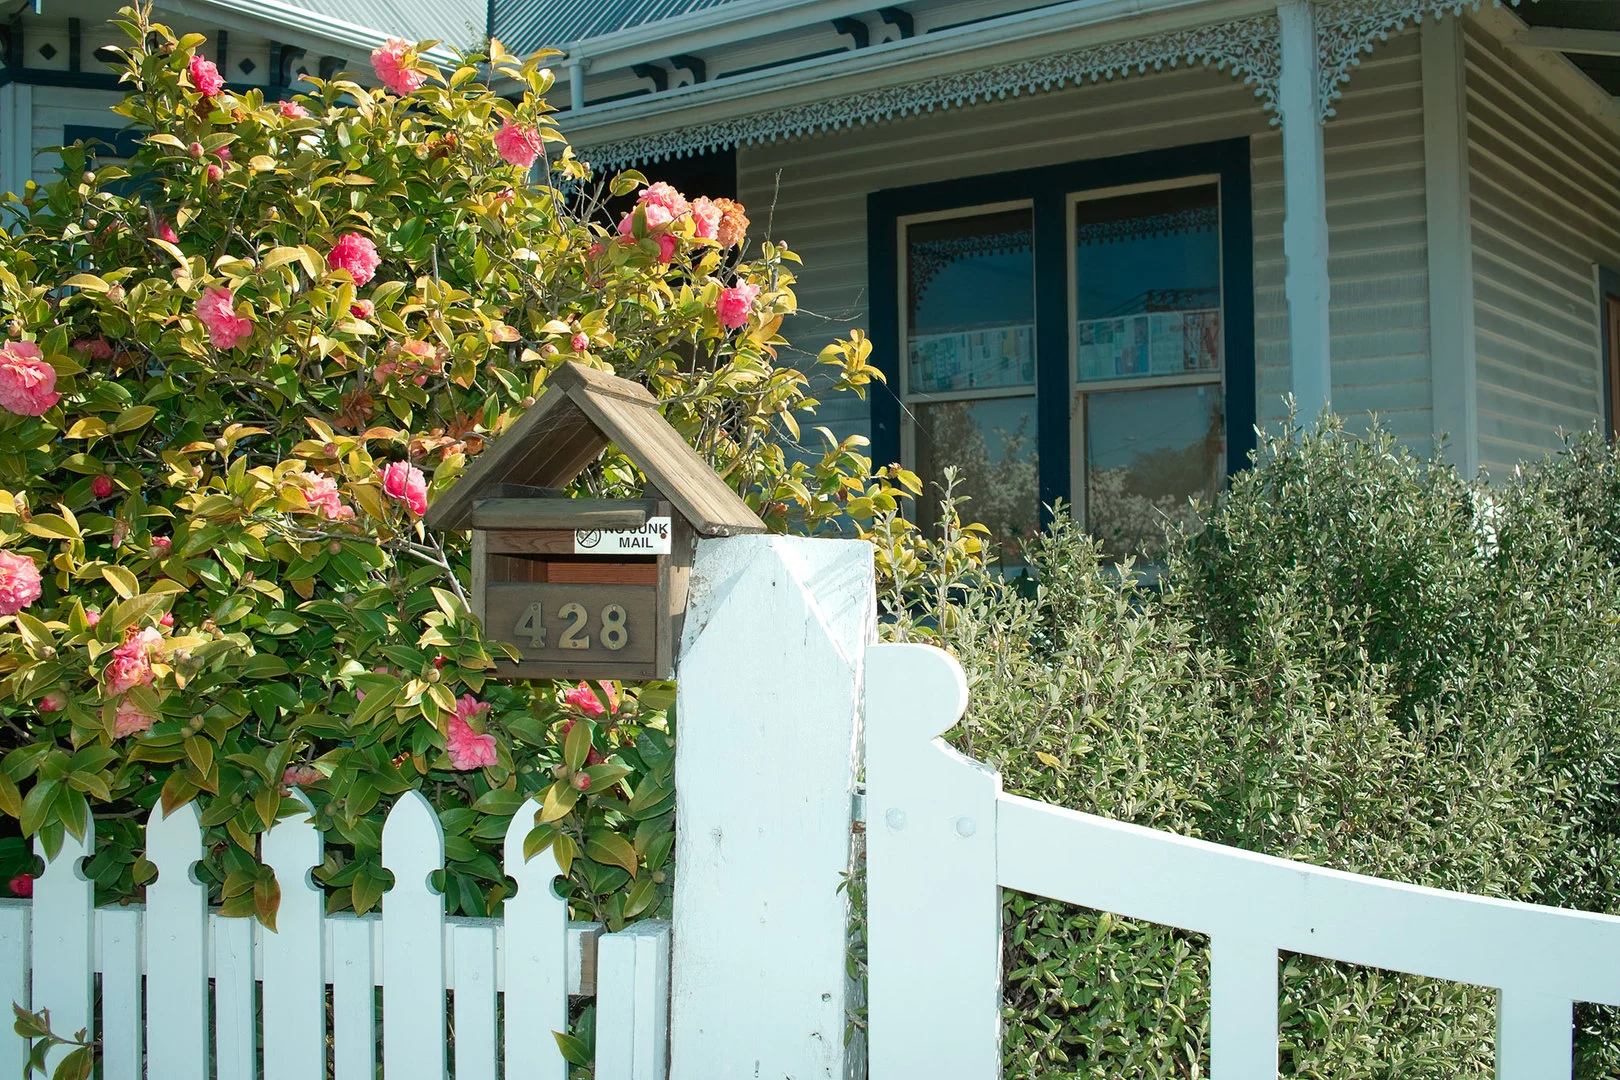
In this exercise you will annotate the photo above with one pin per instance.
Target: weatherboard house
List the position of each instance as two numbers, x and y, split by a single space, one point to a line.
1095 242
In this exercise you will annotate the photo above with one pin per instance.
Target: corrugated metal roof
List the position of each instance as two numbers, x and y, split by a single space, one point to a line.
459 23
526 25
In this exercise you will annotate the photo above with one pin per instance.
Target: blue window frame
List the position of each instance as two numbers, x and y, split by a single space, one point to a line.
1039 298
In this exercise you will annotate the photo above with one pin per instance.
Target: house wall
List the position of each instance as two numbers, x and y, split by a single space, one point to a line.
1544 185
812 192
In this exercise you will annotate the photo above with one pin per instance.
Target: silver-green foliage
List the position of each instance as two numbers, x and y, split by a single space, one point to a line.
1358 659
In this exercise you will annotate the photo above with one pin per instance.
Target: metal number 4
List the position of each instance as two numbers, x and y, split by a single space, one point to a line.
532 626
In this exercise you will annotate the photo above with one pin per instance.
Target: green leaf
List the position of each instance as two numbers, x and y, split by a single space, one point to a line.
500 802
123 581
37 805
53 526
539 839
611 849
576 1052
577 744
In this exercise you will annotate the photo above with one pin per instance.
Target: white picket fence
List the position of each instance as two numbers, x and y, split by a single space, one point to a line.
943 841
166 968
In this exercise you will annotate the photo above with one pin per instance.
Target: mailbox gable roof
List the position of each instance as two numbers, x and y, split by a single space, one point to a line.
581 412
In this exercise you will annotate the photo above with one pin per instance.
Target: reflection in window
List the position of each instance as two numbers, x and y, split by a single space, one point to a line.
1148 452
969 378
1147 363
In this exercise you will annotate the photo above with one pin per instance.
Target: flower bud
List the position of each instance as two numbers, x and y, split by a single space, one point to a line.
195 150
167 622
581 782
548 350
89 177
433 675
214 172
334 547
247 577
222 444
580 342
91 617
115 294
528 401
330 449
559 771
14 328
55 701
101 486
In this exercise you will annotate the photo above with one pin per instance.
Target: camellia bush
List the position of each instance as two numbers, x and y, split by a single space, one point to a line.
234 372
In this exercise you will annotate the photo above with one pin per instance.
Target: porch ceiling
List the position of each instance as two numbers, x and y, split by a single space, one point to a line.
1586 31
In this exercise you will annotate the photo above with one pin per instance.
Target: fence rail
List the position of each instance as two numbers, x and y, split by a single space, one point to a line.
185 994
943 840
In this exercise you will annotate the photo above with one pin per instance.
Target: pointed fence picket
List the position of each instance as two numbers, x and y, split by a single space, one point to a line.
189 995
943 840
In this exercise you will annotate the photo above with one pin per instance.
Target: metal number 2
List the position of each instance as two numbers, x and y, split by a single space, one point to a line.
571 637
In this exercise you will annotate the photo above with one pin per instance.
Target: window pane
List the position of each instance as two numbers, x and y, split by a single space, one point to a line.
1148 284
992 443
1147 453
970 290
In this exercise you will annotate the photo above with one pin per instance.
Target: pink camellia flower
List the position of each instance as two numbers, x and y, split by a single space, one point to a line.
735 305
19 582
667 245
405 482
292 110
223 153
92 616
579 342
55 701
666 197
363 309
518 144
705 219
733 223
131 665
27 382
583 698
205 77
655 215
391 63
96 348
217 310
301 776
468 749
131 719
214 172
356 254
165 231
321 493
101 486
22 885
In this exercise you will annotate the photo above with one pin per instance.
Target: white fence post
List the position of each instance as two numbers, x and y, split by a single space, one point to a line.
413 943
766 759
295 952
536 943
933 904
176 948
64 935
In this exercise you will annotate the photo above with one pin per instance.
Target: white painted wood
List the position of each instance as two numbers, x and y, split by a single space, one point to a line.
354 997
176 948
533 958
1571 40
413 953
1535 1036
1242 1006
933 905
236 1005
1451 244
1305 227
64 934
118 933
1545 195
769 698
632 1002
14 982
294 953
16 138
475 1001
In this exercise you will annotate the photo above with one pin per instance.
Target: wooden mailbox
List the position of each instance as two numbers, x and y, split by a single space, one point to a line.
587 588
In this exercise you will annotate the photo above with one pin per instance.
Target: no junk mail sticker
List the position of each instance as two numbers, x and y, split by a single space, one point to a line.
587 588
653 538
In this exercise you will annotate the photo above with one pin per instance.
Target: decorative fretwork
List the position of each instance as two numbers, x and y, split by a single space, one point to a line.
1346 29
926 258
1248 49
1144 226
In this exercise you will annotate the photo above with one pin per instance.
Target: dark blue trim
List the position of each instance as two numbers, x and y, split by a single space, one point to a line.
1608 286
1047 188
123 143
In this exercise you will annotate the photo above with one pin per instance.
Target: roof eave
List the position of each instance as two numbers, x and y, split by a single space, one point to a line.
313 28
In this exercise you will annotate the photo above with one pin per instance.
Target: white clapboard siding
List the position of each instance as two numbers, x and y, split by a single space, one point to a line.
1544 183
56 108
814 189
942 838
267 1015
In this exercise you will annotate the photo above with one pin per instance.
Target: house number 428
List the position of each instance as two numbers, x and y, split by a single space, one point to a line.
615 633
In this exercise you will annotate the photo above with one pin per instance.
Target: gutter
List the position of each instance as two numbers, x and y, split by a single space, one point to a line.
1051 29
310 24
